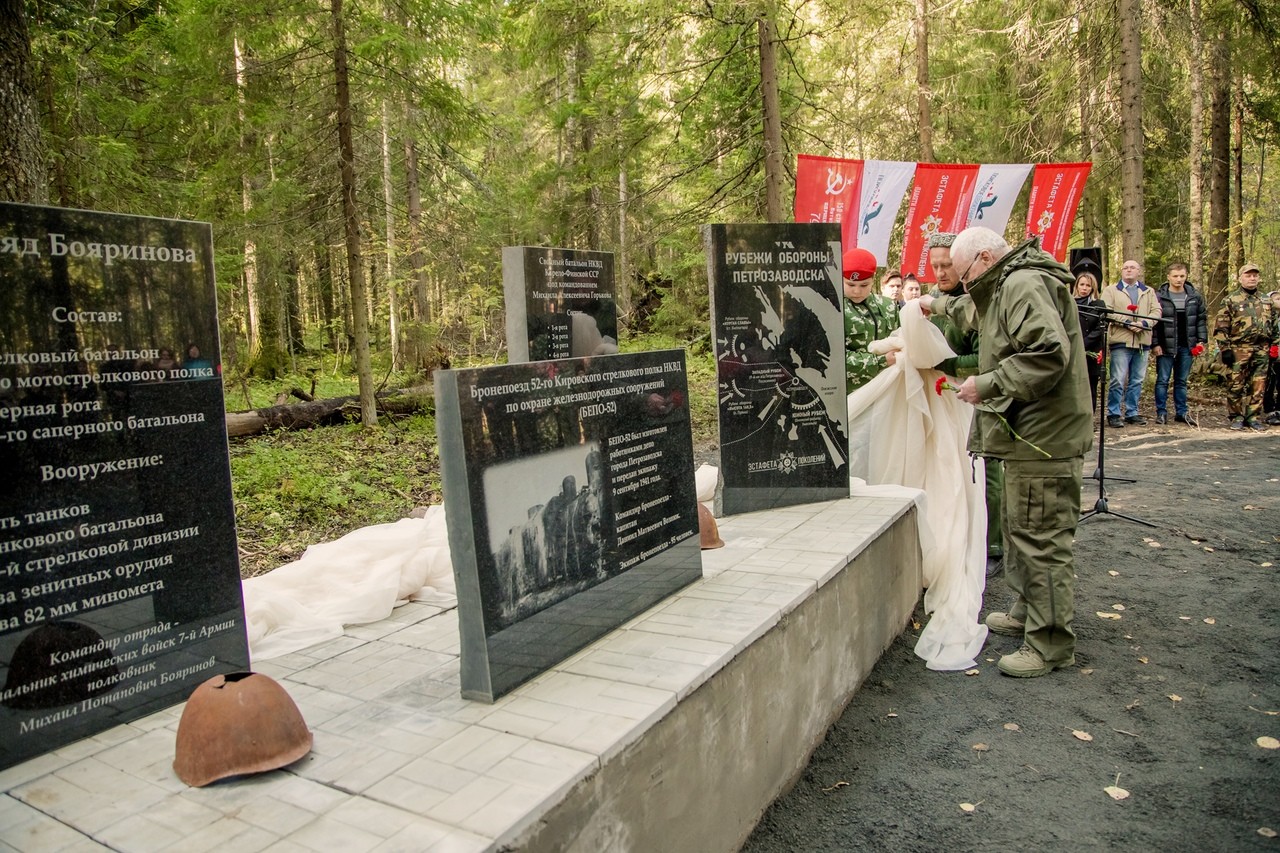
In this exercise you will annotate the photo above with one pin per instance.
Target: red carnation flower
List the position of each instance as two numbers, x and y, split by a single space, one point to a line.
1133 308
1099 357
1275 351
1198 349
942 385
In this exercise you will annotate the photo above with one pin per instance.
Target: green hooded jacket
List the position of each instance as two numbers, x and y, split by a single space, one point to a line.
1031 368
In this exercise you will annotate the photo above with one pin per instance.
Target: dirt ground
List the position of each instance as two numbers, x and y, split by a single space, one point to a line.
1166 701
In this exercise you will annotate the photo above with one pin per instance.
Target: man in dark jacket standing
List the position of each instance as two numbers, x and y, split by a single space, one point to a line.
1181 334
1031 395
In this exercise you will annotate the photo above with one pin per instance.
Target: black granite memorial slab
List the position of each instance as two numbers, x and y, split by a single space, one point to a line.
570 501
778 323
119 576
561 303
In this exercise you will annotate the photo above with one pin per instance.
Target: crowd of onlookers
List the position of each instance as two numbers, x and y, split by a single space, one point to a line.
1130 321
1126 323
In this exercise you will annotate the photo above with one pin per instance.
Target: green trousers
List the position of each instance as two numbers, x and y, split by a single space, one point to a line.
995 521
1041 510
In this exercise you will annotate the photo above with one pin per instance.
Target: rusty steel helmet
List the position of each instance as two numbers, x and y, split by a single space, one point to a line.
239 723
708 530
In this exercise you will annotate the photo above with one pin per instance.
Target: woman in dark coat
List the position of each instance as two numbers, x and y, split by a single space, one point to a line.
1092 327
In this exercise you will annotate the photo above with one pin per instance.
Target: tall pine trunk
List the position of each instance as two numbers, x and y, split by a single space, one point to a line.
772 119
923 93
1237 157
1132 209
397 356
413 197
1090 209
295 323
351 222
1195 156
249 274
1219 170
22 171
583 214
622 268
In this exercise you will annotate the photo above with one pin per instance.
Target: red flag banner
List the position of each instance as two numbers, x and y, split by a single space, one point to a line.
939 202
827 190
1056 189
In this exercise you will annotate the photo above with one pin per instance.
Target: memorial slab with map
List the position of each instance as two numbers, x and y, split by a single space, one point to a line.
561 303
119 574
778 325
571 505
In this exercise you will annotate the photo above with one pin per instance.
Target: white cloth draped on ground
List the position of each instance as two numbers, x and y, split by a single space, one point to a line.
902 432
349 581
360 578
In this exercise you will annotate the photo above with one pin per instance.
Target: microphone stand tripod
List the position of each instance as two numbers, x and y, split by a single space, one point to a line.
1100 506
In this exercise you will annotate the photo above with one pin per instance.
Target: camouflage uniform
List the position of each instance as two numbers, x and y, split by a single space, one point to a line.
869 320
1246 326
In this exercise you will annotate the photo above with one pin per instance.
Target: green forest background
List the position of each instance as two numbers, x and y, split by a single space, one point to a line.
619 126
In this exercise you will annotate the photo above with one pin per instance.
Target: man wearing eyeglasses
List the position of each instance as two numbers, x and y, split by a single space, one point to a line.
1031 395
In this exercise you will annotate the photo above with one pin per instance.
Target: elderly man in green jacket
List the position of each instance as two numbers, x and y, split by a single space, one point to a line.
1031 395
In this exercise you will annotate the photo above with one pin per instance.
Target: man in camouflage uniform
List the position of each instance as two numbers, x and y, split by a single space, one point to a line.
1245 333
961 366
867 317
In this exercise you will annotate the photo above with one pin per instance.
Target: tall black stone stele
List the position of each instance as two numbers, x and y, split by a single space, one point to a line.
119 576
778 323
571 504
561 303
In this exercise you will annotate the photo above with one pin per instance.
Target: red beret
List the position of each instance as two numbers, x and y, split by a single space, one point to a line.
859 264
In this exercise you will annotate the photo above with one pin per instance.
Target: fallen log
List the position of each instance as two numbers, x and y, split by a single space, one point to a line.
283 396
334 410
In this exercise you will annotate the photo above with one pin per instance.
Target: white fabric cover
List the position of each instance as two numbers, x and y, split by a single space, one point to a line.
353 580
901 432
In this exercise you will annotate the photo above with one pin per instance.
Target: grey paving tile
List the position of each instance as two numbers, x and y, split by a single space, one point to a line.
25 828
400 761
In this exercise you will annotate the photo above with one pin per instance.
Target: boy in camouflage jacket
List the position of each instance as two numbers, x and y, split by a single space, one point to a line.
867 317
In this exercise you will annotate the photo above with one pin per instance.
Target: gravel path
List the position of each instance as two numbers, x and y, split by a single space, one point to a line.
1176 679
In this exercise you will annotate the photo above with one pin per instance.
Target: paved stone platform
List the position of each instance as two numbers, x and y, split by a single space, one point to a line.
402 762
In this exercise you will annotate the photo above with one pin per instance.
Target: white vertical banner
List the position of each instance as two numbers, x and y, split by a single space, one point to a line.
994 193
884 185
